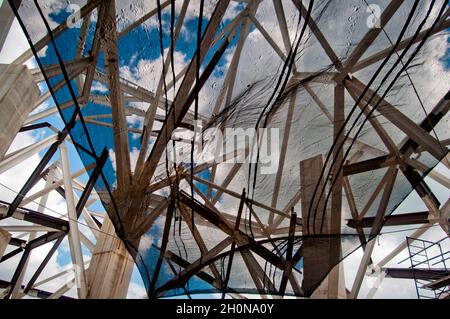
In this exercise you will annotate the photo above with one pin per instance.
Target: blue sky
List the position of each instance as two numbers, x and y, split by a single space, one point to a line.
128 51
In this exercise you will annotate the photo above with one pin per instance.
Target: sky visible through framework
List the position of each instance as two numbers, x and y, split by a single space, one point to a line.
130 60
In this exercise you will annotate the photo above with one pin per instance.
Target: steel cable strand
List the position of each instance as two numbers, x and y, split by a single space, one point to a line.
281 92
280 79
223 275
341 131
389 88
172 191
391 85
196 89
172 48
177 178
161 46
172 44
118 226
336 139
281 249
416 92
361 113
287 65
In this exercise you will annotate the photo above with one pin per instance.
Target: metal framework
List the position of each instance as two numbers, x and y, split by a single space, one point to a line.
138 187
429 256
58 178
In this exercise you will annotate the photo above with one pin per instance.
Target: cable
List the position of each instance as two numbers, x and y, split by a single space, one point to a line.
196 88
415 92
386 76
388 89
367 104
287 66
176 217
173 192
172 64
172 44
161 46
341 131
68 83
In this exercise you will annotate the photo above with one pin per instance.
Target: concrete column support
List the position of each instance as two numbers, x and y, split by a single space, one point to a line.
111 266
321 252
18 94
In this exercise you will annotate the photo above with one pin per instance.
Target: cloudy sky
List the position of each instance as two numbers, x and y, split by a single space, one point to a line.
143 66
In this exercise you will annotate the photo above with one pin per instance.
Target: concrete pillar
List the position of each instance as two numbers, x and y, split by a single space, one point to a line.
4 240
321 247
333 286
309 174
18 94
111 266
6 20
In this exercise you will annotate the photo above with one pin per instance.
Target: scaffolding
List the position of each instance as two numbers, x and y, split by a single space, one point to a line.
430 263
289 239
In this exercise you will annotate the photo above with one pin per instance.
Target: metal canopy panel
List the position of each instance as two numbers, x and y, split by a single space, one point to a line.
295 68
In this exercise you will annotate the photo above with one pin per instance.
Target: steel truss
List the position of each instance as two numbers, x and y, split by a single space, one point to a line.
58 178
134 189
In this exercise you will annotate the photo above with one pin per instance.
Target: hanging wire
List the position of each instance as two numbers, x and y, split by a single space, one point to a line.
172 64
387 90
354 124
280 86
415 92
280 83
408 229
341 130
166 107
367 105
196 88
69 85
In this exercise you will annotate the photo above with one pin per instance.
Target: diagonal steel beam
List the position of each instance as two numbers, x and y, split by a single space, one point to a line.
368 39
442 25
319 35
84 11
400 120
377 224
123 168
182 100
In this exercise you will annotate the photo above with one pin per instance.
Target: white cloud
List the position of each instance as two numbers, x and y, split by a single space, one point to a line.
145 243
8 267
98 86
431 81
134 154
148 72
15 44
136 291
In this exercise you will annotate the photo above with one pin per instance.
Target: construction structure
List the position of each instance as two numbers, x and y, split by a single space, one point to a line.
236 148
